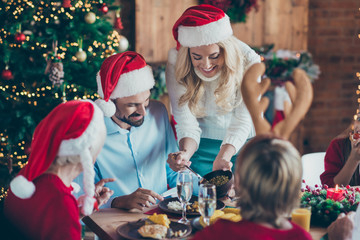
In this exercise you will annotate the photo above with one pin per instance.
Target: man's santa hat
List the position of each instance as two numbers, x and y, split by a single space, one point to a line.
201 25
122 75
69 130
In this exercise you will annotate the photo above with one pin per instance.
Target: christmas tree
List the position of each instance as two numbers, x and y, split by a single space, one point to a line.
50 52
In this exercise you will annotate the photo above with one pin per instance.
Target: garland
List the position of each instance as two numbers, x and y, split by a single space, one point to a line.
281 63
236 9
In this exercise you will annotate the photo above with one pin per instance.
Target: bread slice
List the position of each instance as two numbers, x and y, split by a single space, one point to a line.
161 219
155 231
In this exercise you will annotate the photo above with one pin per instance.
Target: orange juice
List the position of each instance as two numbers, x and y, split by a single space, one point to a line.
301 216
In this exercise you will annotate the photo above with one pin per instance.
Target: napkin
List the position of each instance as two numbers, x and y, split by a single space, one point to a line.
356 230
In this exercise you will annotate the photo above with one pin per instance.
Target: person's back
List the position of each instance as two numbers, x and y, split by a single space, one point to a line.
51 213
245 230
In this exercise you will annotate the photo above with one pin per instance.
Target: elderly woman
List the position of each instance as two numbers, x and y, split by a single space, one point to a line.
65 143
203 78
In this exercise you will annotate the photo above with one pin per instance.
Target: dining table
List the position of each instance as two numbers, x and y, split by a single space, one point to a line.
104 223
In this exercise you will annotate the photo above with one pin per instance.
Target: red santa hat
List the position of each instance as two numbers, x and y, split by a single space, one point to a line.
122 75
69 129
201 25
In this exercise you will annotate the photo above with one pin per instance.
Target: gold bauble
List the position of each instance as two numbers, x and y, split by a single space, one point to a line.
90 18
81 55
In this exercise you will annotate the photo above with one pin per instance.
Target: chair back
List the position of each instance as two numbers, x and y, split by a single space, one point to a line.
313 167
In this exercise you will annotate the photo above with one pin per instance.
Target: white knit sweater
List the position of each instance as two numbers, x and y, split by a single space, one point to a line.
232 128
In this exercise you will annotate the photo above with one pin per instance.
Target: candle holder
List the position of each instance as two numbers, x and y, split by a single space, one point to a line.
335 194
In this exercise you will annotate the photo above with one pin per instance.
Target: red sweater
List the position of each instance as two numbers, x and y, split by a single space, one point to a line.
51 213
335 158
244 230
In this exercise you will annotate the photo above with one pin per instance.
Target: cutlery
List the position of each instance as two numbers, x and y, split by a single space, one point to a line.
202 180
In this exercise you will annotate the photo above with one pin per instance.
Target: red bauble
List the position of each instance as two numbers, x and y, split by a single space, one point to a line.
66 3
7 74
20 37
103 8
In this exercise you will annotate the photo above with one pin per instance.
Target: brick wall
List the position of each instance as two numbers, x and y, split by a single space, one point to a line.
333 40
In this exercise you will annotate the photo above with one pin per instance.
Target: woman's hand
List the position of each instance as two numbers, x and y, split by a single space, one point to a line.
342 227
178 160
355 147
222 160
103 194
222 164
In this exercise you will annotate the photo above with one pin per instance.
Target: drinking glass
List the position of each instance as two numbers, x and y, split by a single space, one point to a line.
302 216
184 187
207 201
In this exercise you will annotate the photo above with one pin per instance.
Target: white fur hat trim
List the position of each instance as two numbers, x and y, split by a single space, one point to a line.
130 83
207 34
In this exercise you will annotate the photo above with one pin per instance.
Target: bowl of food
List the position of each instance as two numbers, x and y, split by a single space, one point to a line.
223 180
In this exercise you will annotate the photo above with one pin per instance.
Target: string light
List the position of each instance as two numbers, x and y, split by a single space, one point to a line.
44 13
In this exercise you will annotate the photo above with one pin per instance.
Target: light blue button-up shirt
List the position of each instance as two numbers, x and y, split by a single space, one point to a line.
137 157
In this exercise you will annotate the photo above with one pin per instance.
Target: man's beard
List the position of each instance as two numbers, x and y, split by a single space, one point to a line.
128 120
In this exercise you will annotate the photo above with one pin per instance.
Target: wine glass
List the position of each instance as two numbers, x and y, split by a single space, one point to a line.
207 201
184 187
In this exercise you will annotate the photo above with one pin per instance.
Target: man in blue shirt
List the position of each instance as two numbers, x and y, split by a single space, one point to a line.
139 134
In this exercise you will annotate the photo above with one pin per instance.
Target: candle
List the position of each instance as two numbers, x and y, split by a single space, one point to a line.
335 194
301 216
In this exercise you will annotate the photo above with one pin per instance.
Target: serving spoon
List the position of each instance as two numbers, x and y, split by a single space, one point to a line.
202 180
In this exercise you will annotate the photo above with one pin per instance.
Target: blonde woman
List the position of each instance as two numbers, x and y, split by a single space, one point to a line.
267 181
203 77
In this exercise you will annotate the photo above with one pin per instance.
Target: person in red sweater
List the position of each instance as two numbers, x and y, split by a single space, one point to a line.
267 182
40 203
342 158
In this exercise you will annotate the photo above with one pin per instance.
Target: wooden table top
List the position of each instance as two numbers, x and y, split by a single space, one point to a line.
105 222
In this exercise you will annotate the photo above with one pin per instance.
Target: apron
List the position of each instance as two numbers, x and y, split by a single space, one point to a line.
204 157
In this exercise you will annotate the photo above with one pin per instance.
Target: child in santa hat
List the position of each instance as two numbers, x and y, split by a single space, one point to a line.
268 181
203 78
65 143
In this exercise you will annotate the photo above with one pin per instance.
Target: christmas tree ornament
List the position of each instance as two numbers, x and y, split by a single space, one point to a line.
118 24
123 43
81 55
103 8
20 37
7 74
90 18
55 67
66 3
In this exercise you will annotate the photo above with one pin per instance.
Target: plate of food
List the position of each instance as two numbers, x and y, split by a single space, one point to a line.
173 205
156 226
231 214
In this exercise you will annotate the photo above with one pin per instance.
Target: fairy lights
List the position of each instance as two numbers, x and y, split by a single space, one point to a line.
39 21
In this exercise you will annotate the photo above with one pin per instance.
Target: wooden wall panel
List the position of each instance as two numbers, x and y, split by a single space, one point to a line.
283 23
154 22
